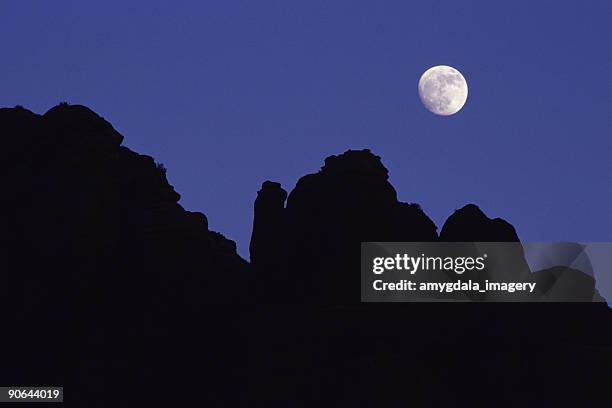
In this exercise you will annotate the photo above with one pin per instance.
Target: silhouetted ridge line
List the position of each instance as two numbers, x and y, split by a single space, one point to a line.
306 251
100 255
113 290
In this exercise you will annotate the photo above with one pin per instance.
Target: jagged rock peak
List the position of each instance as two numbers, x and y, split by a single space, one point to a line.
470 223
66 119
272 191
355 161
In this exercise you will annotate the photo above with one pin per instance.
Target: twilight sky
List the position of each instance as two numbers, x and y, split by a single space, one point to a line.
230 93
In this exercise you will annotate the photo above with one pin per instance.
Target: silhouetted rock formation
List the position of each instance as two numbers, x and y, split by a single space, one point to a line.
101 260
308 251
345 353
470 224
268 236
113 290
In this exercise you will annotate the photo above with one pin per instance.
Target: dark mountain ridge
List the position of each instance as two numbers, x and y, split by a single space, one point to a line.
125 286
102 261
305 245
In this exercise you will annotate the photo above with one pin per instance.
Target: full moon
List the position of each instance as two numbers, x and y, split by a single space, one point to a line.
443 90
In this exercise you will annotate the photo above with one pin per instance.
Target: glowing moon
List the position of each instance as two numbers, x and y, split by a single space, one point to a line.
443 90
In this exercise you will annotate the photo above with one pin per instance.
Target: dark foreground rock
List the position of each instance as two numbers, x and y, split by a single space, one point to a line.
307 251
111 289
322 344
108 283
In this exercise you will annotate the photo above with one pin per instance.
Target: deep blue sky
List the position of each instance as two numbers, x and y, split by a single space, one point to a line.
228 94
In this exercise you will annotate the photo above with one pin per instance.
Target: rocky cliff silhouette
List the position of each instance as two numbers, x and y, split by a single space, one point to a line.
309 247
305 246
108 281
112 289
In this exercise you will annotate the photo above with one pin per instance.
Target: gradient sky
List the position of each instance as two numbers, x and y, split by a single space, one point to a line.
229 93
